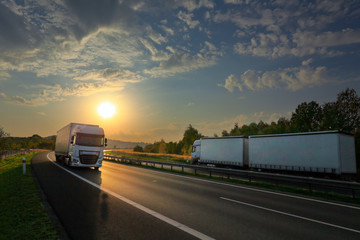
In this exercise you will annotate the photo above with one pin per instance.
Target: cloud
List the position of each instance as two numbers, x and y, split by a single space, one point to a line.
231 82
156 55
102 80
187 18
15 31
4 75
111 75
155 36
18 100
284 28
180 62
168 30
292 79
192 5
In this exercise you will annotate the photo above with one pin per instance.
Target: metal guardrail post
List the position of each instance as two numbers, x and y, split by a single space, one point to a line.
24 165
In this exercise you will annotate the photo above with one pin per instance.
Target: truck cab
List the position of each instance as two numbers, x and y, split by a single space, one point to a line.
195 152
80 145
86 150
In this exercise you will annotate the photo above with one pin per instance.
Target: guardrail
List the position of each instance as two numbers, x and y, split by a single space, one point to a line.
325 185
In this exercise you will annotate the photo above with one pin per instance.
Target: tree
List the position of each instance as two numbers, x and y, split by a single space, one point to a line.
138 148
162 146
190 135
283 125
307 117
330 116
348 106
3 133
235 131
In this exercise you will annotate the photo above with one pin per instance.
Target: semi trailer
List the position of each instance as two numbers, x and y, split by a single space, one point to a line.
321 152
80 145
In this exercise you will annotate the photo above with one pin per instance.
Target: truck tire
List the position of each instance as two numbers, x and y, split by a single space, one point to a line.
194 161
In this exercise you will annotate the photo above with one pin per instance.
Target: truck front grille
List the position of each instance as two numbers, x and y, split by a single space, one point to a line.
88 158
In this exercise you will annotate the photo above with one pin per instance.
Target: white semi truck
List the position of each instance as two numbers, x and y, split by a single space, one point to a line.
321 152
229 151
80 145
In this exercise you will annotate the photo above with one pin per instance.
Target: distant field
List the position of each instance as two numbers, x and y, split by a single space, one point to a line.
150 156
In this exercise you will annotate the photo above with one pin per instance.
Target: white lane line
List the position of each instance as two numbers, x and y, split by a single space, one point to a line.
139 206
258 190
291 215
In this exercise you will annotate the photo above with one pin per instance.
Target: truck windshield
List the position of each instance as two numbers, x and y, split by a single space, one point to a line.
89 140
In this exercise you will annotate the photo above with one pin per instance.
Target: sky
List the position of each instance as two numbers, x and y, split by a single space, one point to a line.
166 64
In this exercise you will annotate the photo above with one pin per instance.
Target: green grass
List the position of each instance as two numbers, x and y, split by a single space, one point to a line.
22 214
144 156
293 190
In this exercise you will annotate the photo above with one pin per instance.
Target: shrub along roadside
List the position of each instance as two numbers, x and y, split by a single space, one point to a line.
23 215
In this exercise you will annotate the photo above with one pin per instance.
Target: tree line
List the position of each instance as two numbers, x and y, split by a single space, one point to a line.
33 142
342 114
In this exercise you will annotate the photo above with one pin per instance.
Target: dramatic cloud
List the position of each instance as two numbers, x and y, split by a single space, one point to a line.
94 82
291 78
180 62
283 28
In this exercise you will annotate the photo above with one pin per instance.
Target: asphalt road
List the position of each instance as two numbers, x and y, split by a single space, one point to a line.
124 202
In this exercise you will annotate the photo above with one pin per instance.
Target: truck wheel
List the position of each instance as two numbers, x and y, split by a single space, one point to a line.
194 161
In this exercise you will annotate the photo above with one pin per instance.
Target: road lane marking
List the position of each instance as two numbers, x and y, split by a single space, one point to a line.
291 215
170 221
257 190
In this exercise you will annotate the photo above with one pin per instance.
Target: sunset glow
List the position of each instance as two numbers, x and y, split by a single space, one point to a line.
162 65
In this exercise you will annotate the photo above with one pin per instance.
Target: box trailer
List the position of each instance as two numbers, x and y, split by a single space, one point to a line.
80 145
324 152
230 151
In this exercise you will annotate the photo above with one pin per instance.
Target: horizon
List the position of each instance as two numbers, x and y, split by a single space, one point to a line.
163 65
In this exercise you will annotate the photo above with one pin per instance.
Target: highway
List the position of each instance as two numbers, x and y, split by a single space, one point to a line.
125 202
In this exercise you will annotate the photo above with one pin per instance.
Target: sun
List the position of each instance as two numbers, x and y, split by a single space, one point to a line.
106 110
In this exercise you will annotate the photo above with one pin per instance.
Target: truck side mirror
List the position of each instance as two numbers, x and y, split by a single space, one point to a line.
105 142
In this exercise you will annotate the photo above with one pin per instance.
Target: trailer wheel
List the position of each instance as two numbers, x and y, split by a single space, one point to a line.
68 161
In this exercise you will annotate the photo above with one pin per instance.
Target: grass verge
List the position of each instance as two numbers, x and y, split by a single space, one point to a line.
293 190
23 215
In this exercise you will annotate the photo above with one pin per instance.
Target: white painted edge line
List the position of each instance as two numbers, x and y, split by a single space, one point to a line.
291 215
258 190
139 206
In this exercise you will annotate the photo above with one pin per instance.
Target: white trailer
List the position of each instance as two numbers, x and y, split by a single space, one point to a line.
80 145
324 152
230 151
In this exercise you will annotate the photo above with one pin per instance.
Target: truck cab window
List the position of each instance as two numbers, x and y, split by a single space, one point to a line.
89 140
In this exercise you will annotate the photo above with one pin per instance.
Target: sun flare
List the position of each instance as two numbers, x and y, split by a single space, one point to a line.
106 110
